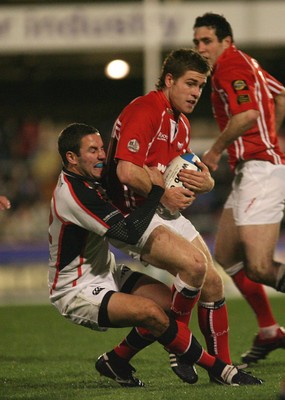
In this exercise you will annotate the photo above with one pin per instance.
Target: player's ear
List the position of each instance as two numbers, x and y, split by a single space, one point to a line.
71 157
227 41
168 80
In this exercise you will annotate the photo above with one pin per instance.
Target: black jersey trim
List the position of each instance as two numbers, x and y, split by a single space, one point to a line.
103 318
131 282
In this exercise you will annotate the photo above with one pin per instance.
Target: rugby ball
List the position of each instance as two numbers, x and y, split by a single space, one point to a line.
184 161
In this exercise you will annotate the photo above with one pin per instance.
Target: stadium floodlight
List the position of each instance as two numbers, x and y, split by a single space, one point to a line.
117 69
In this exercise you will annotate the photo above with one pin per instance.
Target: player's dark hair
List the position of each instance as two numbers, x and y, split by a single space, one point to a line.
70 137
180 61
217 22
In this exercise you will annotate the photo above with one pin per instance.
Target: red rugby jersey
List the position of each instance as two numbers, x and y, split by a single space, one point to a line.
240 84
144 133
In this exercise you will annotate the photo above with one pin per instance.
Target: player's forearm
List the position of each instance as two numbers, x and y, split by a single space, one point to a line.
131 228
235 128
279 110
135 177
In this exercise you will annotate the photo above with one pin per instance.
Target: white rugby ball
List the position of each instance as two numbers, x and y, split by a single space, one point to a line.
184 161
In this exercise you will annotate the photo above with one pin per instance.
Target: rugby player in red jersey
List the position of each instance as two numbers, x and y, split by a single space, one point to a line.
249 106
153 129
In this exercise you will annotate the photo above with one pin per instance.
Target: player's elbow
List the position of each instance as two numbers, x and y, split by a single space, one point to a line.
252 117
247 119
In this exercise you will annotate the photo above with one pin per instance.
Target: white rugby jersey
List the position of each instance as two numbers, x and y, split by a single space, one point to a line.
80 218
145 133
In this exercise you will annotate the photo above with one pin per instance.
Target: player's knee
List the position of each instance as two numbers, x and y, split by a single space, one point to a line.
193 270
256 271
200 265
253 275
215 278
191 263
213 288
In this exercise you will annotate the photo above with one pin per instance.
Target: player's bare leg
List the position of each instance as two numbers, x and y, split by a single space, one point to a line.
188 263
138 338
229 252
228 249
131 310
167 250
171 252
259 242
212 309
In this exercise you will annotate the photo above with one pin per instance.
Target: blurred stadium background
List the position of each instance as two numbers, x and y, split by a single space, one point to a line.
52 72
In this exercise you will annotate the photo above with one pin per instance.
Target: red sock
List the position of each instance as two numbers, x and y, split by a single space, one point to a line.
256 297
206 360
136 340
181 341
213 322
184 298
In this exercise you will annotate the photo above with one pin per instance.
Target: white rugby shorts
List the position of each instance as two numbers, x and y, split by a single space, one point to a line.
258 193
83 308
179 224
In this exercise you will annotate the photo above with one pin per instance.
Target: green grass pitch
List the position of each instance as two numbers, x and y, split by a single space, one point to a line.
45 357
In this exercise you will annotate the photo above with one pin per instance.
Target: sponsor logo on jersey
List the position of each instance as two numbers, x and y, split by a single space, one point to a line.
133 145
161 167
162 136
179 145
97 290
239 84
243 98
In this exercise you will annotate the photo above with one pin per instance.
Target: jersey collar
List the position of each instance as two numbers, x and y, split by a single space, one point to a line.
80 177
167 104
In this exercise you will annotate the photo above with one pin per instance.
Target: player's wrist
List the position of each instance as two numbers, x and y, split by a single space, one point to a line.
217 149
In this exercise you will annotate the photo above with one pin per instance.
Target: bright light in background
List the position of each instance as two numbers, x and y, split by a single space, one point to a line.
117 69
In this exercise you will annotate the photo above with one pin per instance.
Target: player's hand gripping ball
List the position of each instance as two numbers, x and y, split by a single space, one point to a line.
185 161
